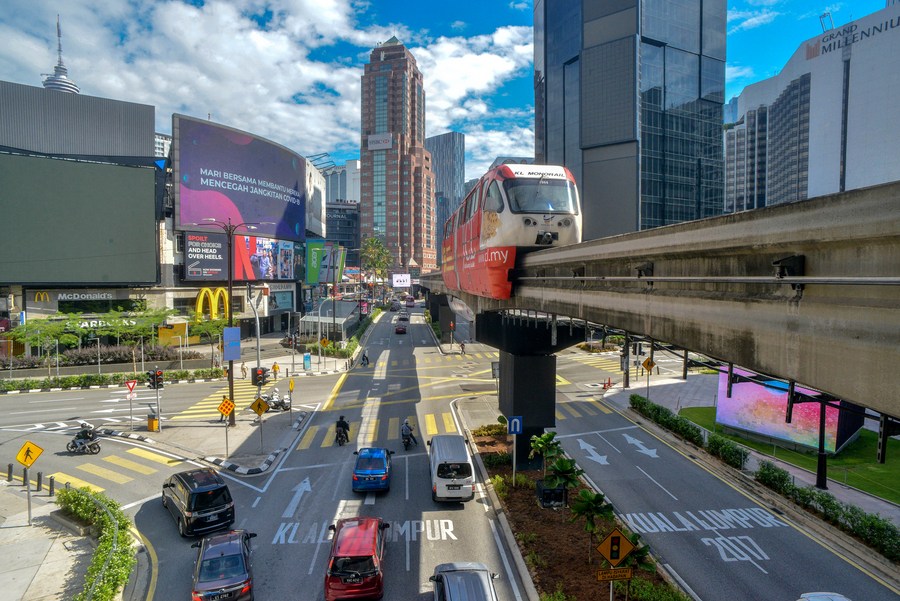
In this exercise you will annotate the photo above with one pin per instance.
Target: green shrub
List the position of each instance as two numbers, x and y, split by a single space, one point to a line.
105 582
644 590
731 453
496 459
499 484
668 420
490 430
557 595
774 477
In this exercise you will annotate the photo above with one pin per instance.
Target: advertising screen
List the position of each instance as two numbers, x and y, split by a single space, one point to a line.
761 409
70 222
255 258
324 262
225 174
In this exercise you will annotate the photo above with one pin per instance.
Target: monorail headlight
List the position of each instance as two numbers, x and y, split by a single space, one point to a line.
529 222
565 222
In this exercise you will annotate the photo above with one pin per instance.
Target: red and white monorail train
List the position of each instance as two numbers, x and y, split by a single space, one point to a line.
512 209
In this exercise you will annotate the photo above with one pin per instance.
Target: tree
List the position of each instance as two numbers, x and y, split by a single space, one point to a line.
546 446
564 473
376 259
212 329
590 506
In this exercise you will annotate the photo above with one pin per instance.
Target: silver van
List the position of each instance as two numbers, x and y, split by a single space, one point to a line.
463 581
452 474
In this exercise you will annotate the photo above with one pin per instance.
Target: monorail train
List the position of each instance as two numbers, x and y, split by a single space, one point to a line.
513 209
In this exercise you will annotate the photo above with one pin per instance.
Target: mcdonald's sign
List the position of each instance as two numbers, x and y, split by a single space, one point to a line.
41 297
213 297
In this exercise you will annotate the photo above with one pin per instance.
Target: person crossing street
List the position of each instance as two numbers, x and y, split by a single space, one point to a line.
275 369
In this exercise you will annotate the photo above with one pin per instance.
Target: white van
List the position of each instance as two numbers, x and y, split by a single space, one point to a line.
452 474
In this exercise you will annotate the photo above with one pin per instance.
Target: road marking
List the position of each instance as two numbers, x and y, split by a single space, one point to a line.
131 465
307 439
656 483
449 425
561 381
559 414
430 425
603 408
571 410
104 473
63 479
393 428
163 459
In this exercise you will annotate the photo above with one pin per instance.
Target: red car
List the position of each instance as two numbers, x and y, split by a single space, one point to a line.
400 328
355 567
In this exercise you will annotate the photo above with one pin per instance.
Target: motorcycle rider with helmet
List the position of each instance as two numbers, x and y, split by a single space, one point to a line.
406 431
341 426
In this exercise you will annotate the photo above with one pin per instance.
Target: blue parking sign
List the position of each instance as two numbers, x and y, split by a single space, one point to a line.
514 425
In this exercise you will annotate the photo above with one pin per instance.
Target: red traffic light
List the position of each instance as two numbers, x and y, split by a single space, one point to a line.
451 326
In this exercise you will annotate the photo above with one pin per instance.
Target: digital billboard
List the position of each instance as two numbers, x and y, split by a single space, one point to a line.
761 409
226 174
255 258
324 262
69 222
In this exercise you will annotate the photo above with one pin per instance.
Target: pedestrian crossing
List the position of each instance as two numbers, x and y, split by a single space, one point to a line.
379 432
580 408
244 395
435 360
116 470
605 361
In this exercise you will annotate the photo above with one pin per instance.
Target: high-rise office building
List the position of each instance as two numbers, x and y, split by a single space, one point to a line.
628 96
342 182
819 126
448 160
396 180
342 225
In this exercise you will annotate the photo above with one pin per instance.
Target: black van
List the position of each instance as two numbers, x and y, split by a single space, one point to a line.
199 500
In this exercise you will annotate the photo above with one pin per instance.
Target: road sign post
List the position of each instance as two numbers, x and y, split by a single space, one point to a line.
260 407
131 384
514 426
225 408
27 455
291 399
648 364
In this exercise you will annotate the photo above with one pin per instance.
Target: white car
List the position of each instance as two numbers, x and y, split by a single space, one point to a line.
822 597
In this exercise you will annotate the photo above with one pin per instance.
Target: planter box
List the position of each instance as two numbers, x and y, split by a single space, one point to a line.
551 497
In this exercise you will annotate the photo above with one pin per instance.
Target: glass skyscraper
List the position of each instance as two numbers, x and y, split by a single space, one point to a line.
448 160
628 96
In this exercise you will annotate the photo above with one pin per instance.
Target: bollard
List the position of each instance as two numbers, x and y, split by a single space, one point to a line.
24 476
68 485
40 482
9 470
51 485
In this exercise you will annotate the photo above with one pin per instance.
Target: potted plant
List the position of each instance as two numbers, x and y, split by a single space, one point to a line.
552 491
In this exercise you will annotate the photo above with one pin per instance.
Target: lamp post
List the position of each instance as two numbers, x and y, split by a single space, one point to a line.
229 229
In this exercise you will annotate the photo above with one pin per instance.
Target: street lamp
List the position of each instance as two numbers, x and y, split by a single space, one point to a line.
229 229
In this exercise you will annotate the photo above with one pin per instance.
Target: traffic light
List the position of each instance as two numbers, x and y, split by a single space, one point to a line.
151 379
264 378
158 379
452 327
256 376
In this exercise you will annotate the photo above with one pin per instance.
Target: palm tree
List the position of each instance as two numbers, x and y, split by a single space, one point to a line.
590 506
376 259
546 446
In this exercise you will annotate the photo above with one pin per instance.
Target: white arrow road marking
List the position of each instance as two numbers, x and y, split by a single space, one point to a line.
591 453
301 488
640 446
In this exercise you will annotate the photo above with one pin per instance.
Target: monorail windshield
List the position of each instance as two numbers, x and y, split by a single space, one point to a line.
541 195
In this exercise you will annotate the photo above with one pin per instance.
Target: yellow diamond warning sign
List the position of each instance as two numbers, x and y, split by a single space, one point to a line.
615 547
29 453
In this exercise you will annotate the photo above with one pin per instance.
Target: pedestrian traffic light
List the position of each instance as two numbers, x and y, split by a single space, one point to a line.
255 377
151 379
158 378
264 378
452 327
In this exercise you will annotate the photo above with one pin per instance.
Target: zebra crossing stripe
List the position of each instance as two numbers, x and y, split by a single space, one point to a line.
163 459
104 473
62 479
130 465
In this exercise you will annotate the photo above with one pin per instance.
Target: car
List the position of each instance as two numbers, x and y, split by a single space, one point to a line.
199 501
403 316
395 306
356 561
400 328
463 581
410 302
822 597
373 469
223 569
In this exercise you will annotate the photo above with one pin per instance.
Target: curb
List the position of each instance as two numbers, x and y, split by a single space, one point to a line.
258 469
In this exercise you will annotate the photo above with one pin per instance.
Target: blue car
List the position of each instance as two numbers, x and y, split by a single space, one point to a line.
372 470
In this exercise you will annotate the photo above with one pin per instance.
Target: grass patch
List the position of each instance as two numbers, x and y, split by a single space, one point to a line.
855 466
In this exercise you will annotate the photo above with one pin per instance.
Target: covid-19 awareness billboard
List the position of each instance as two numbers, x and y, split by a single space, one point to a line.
228 175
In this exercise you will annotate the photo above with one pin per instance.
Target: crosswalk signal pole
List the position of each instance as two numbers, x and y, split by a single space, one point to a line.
158 414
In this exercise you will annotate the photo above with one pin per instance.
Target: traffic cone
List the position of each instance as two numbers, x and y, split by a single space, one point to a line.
608 383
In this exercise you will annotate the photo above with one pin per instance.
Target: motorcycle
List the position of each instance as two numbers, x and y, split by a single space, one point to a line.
341 437
83 445
276 401
407 440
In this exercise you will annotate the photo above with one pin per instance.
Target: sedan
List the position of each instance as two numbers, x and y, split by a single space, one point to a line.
372 470
400 329
403 316
223 570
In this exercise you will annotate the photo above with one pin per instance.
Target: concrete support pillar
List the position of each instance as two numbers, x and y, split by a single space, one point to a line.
528 390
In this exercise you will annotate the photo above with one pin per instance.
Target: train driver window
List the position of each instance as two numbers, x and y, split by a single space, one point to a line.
493 201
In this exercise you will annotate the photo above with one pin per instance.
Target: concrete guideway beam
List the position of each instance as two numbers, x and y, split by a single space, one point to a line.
830 322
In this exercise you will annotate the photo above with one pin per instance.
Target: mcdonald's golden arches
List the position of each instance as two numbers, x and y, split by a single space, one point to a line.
41 297
213 297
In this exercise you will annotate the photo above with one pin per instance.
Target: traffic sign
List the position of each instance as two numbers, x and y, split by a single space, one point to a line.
617 574
291 385
324 342
29 453
130 396
260 406
648 364
514 425
130 384
226 407
615 547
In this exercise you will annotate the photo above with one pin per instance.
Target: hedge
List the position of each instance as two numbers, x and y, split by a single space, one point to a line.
102 584
684 428
728 451
875 531
86 380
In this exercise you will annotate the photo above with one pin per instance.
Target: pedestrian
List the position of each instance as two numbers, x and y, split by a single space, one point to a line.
222 415
275 369
462 347
243 370
365 358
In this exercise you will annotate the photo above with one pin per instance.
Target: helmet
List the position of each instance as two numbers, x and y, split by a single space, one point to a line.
406 421
342 417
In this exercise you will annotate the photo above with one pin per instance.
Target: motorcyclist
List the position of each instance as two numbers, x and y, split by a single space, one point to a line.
407 430
86 433
340 426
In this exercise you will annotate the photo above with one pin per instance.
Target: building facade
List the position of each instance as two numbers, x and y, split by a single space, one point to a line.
396 177
818 127
342 225
342 182
628 96
448 159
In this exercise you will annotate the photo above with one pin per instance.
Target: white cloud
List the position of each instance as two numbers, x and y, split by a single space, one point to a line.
519 5
733 72
287 70
750 19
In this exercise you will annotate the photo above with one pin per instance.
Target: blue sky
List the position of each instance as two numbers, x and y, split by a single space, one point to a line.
289 70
